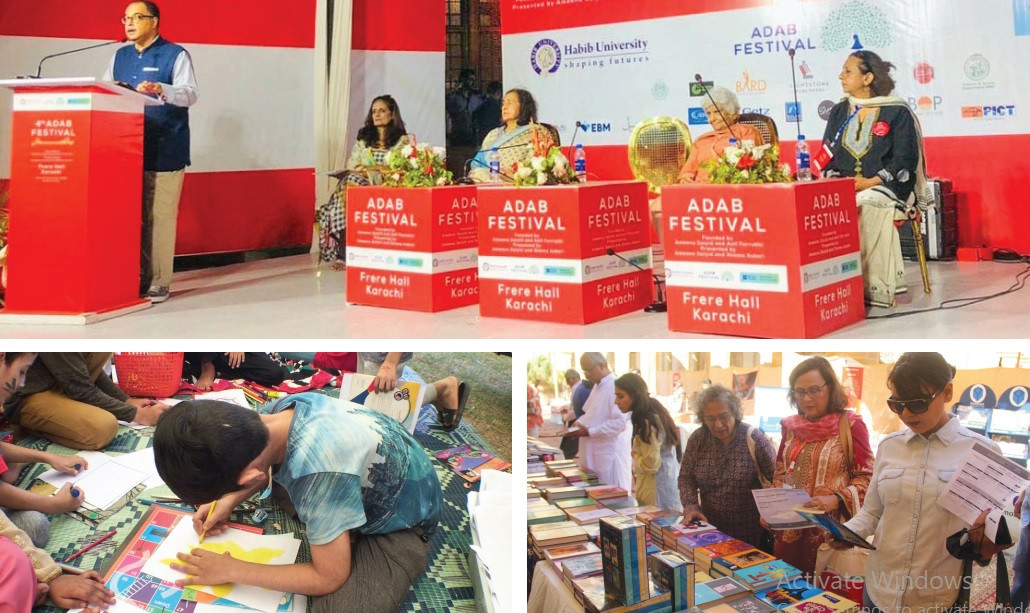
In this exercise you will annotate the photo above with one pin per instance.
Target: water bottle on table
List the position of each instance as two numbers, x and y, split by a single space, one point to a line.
580 164
804 164
495 166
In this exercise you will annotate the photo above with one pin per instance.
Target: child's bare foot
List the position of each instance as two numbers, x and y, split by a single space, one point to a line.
207 377
11 474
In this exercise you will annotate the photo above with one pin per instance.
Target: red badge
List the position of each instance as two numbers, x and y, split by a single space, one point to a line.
881 128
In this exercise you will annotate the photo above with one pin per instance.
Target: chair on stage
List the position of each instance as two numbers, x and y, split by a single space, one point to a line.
914 216
765 125
658 148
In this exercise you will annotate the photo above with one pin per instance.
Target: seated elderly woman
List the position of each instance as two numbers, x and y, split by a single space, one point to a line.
712 144
516 140
383 131
875 138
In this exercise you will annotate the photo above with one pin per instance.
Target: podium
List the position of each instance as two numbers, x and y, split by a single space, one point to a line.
773 261
412 248
76 201
543 251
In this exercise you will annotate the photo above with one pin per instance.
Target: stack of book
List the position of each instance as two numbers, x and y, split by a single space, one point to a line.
704 555
592 517
787 594
671 572
538 452
554 494
580 567
555 467
575 505
625 560
605 492
564 553
545 536
538 513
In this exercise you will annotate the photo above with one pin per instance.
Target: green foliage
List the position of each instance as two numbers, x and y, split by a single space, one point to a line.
420 166
539 370
750 166
551 169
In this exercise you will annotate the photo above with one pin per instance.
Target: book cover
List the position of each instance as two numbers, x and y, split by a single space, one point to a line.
403 404
625 559
746 604
562 552
588 517
583 566
672 572
834 527
767 574
605 491
718 550
787 594
468 462
827 602
569 503
633 511
704 539
561 537
742 559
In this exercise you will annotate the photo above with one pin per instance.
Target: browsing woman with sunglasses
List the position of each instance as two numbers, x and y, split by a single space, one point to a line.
824 451
911 568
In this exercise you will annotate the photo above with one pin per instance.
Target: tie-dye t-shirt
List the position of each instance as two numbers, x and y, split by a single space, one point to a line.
352 468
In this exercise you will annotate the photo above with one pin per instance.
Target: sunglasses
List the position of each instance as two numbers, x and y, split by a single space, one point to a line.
914 405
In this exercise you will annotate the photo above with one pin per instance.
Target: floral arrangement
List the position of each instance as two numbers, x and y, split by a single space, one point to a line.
748 165
417 166
544 168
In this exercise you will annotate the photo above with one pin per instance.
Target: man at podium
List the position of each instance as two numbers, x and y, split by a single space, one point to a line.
156 67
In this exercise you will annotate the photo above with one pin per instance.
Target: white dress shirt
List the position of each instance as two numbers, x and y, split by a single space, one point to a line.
607 451
911 569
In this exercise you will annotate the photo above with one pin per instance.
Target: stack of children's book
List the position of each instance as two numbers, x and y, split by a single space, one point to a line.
539 452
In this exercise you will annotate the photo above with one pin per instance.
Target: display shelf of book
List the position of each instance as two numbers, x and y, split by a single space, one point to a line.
1011 430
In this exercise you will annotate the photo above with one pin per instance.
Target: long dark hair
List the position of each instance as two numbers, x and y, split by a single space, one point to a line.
527 106
915 371
394 131
838 399
869 62
647 414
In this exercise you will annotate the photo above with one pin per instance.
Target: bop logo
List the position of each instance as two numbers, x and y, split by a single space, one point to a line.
545 57
925 103
793 112
696 116
922 73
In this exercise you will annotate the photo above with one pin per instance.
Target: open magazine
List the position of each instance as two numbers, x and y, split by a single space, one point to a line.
469 462
834 527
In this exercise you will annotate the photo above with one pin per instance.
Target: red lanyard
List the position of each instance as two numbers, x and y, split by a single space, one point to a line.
794 456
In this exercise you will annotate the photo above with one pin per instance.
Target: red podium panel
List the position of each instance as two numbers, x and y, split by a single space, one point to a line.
76 191
775 261
412 248
543 251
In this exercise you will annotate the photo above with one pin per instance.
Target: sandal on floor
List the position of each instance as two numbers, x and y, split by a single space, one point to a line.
444 415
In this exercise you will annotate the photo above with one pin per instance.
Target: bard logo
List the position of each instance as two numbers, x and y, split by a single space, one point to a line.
824 109
793 110
922 73
699 89
747 85
858 22
545 57
696 116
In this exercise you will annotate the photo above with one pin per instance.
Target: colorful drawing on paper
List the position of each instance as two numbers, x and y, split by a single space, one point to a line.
256 548
402 404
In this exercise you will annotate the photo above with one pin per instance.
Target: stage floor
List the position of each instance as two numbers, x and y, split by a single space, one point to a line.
294 298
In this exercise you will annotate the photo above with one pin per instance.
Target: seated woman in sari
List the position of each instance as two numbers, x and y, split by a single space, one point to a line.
712 144
875 138
516 140
383 132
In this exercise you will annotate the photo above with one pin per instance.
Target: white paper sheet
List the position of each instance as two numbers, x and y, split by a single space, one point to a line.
264 549
776 505
108 478
984 480
95 459
119 606
234 395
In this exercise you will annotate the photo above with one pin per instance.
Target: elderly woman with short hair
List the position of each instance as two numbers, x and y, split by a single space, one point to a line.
725 459
725 127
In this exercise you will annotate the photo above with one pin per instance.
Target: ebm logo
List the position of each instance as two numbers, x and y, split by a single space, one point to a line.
595 127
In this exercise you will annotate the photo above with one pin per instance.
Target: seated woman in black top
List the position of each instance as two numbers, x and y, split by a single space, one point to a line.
876 139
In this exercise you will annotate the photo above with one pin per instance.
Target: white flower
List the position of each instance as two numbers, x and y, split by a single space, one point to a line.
524 171
396 176
733 154
414 162
745 173
440 152
759 152
541 178
560 163
441 181
537 162
421 146
407 150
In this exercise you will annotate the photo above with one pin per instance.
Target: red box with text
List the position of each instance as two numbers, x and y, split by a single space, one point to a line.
774 261
412 248
543 251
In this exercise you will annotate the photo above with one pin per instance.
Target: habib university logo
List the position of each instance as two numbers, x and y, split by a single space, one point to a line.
545 57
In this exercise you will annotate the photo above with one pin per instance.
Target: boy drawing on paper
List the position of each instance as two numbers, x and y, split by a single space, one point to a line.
366 490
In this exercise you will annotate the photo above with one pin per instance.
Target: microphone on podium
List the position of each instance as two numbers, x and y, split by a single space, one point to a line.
794 81
572 144
697 77
39 68
658 306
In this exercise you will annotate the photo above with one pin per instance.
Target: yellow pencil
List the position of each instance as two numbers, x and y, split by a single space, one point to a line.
209 512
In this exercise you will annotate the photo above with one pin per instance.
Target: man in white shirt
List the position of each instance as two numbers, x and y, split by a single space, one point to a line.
604 432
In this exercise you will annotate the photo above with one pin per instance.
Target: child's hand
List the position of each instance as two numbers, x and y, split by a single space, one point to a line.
64 501
206 568
386 378
216 523
81 591
70 464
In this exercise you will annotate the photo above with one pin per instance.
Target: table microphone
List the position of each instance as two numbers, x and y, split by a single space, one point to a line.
39 69
794 80
658 306
572 144
697 77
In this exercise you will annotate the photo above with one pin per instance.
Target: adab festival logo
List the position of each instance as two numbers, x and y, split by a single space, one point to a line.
857 25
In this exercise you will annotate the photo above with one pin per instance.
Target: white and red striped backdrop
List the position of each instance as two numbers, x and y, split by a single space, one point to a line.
958 62
251 184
